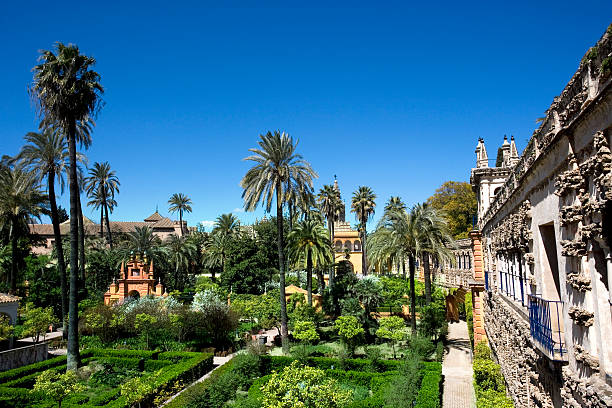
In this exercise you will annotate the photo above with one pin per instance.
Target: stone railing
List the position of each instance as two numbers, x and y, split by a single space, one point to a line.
587 83
19 357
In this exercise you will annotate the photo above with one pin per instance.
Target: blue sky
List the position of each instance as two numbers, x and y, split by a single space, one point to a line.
393 96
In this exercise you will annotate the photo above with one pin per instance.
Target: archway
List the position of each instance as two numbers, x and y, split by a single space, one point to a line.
134 295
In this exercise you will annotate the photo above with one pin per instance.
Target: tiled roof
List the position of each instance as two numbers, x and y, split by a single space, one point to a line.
91 228
153 217
6 298
164 223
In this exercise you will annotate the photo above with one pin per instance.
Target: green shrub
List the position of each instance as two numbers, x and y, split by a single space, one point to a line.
469 317
429 393
492 399
405 387
439 352
421 346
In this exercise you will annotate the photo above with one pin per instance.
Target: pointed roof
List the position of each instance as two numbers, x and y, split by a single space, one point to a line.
482 159
154 217
514 156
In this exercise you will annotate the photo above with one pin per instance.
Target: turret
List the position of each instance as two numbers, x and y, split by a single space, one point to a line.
505 148
482 160
514 156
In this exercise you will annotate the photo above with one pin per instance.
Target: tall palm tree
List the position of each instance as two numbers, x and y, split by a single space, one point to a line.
67 92
216 252
395 203
329 202
436 240
46 154
103 184
100 200
363 205
180 251
21 201
142 240
277 167
227 225
308 244
180 203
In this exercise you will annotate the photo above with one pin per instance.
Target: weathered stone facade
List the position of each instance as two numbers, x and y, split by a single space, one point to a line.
547 250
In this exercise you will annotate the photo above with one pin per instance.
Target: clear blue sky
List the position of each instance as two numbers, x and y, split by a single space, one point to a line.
393 97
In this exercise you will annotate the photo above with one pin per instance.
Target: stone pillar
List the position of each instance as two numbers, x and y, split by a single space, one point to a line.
477 287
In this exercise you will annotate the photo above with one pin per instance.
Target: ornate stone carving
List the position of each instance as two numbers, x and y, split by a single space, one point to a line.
529 258
570 214
586 358
581 316
577 247
514 232
578 281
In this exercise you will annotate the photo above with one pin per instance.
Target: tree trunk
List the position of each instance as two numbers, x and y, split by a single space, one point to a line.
281 265
59 248
404 268
181 221
81 244
321 279
101 221
13 274
108 230
412 296
364 259
73 358
331 238
427 276
309 276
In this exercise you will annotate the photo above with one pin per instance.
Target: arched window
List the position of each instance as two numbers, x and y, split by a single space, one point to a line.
357 245
348 245
338 246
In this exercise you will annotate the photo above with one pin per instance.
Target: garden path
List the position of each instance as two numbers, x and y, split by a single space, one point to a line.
458 388
217 362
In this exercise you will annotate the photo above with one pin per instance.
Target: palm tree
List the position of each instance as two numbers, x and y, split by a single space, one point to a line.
308 244
21 200
100 200
395 203
227 225
181 203
216 252
180 251
143 241
102 184
363 205
277 167
436 240
46 154
329 202
67 93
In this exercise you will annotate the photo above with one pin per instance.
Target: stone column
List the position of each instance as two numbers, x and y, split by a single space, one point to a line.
477 288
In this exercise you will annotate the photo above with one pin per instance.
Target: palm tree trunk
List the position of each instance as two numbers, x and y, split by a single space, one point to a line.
321 279
281 265
13 274
309 276
181 221
108 230
81 244
427 276
101 221
73 358
404 268
364 259
412 296
61 263
332 271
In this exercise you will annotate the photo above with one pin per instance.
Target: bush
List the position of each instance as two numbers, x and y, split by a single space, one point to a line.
489 382
421 346
429 394
405 387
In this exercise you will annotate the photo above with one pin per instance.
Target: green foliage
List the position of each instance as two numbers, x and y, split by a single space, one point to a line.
393 329
6 329
405 387
305 331
43 283
350 331
606 66
429 394
469 316
301 387
58 386
37 321
394 290
458 203
143 323
421 346
489 382
432 322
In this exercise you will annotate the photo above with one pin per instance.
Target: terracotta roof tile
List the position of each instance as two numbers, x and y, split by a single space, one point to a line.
6 298
154 217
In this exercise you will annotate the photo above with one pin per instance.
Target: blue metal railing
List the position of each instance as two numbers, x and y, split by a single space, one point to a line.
512 284
487 281
545 325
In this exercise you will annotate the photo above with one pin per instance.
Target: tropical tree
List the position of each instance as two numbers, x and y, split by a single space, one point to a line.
457 204
143 241
46 154
67 93
309 246
216 252
227 225
277 167
102 185
329 202
100 200
180 252
21 201
180 203
363 205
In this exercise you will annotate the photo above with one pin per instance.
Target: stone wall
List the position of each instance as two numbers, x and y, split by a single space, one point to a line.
532 379
22 356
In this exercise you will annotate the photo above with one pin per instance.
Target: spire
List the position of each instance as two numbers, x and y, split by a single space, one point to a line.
482 160
514 156
336 183
505 147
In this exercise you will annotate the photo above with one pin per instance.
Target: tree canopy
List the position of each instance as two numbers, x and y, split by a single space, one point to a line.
458 203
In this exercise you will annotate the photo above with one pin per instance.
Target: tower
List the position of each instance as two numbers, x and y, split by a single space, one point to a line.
342 210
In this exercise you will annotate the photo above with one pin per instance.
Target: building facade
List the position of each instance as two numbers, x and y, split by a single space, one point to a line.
161 226
543 248
347 241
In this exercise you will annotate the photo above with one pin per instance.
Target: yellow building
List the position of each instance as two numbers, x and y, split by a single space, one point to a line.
347 242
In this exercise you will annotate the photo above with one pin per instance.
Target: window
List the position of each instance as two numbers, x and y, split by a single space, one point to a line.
357 246
338 246
549 262
348 245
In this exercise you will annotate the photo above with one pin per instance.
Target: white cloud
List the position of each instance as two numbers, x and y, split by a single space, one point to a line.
207 223
238 210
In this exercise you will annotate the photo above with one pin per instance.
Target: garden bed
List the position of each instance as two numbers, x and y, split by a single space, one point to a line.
102 373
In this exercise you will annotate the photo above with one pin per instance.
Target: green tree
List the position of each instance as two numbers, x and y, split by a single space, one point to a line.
143 323
102 185
58 386
21 201
67 94
458 205
37 321
226 229
277 167
329 202
6 328
309 247
363 204
180 203
392 328
305 332
300 386
46 154
180 252
350 331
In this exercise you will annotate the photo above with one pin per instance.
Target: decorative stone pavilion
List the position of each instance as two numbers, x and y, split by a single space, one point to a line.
136 280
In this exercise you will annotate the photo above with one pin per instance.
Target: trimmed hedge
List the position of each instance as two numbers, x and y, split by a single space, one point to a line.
277 363
185 367
430 392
